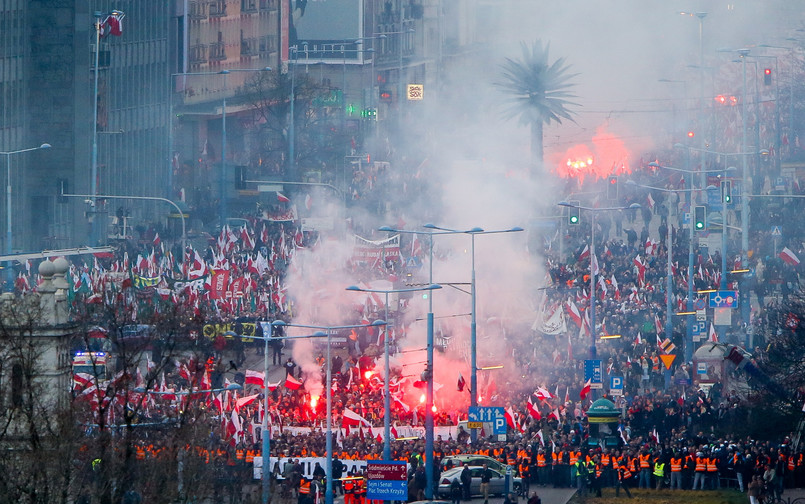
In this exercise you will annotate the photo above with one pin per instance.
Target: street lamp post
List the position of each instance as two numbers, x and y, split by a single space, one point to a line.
386 390
594 262
222 208
324 332
473 324
9 234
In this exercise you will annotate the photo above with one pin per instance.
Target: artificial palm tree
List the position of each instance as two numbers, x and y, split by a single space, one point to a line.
538 92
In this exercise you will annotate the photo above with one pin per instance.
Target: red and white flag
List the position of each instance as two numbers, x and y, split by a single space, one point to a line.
713 336
509 414
584 253
585 390
543 394
245 401
789 256
352 419
113 24
292 383
282 198
461 382
533 410
254 378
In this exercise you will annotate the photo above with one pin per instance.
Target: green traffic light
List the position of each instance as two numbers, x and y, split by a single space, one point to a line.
574 219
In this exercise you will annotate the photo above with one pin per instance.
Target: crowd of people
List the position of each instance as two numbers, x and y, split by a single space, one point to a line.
665 433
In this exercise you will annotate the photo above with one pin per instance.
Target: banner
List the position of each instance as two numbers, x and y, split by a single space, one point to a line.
141 282
372 252
220 283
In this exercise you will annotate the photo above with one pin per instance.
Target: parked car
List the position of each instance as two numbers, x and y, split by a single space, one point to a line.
496 484
473 460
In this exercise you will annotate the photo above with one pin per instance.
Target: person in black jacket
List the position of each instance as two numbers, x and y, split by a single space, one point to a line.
466 481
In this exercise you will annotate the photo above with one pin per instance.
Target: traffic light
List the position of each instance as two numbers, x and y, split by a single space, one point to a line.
573 213
612 187
726 191
699 218
767 76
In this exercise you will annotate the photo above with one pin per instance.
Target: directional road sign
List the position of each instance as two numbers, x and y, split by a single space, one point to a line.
592 372
724 299
387 480
491 414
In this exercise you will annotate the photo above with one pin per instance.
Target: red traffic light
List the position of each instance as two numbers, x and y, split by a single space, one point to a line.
767 71
691 134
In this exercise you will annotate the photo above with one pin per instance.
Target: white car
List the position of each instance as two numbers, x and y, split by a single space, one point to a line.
496 483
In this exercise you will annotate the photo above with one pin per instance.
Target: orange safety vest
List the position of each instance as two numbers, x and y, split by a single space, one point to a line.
556 458
598 470
523 470
624 473
676 464
541 462
711 464
644 461
574 457
349 485
701 464
239 454
249 456
791 463
304 487
605 460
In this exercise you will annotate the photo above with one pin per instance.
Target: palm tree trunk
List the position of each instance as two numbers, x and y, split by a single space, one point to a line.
536 148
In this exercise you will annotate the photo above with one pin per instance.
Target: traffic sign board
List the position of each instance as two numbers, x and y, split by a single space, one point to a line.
387 480
724 299
491 414
616 385
776 231
592 372
475 425
698 304
698 328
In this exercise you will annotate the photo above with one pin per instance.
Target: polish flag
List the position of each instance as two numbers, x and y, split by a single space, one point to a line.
292 383
541 438
245 401
282 198
713 337
573 312
352 419
533 410
509 414
585 390
584 253
543 395
461 382
254 378
789 257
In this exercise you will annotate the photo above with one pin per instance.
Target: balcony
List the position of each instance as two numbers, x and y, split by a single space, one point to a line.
217 51
249 47
198 53
218 8
248 6
197 9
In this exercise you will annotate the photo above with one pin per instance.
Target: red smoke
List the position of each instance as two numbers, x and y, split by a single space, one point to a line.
608 156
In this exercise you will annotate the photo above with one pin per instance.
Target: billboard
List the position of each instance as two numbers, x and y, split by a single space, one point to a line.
325 25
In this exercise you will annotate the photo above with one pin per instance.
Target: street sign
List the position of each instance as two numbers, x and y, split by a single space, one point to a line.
491 414
387 480
415 91
701 315
699 328
616 385
776 231
592 372
701 368
475 425
722 317
699 304
724 299
667 360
